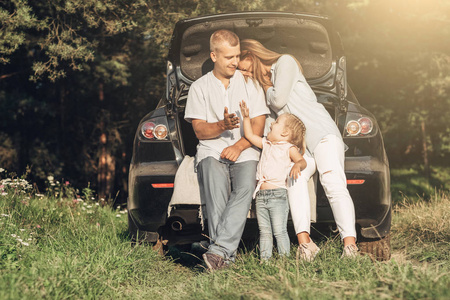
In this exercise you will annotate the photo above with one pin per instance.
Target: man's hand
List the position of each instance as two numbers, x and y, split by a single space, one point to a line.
230 121
244 109
231 153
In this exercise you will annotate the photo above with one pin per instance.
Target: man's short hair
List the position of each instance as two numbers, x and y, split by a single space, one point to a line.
221 36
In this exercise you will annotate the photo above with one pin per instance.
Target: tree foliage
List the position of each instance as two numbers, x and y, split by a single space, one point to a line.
77 75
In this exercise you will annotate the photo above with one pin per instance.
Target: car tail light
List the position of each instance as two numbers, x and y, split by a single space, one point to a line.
358 125
148 130
366 125
355 181
155 129
162 185
353 128
160 132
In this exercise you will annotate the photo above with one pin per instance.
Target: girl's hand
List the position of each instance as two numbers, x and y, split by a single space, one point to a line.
295 171
244 109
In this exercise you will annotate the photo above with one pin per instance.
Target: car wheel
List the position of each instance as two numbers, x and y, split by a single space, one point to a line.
377 249
159 246
132 229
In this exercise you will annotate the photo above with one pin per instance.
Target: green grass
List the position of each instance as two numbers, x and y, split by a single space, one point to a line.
411 182
80 250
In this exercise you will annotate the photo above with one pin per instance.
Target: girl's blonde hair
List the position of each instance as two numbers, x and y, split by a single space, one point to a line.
260 55
297 131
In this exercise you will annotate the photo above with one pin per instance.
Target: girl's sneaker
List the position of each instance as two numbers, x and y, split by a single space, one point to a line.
307 251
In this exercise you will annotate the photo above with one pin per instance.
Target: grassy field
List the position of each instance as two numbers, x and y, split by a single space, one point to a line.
60 246
411 183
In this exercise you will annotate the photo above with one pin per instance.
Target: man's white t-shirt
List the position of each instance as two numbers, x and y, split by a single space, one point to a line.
207 99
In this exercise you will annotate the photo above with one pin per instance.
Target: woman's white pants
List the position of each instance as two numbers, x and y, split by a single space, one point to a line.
328 159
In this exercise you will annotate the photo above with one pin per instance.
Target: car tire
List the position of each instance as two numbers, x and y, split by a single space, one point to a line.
159 246
376 249
132 229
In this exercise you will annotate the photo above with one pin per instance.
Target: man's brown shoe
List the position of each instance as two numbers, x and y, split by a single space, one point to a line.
214 261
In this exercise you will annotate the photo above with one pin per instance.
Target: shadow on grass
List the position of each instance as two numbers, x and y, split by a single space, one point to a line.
189 256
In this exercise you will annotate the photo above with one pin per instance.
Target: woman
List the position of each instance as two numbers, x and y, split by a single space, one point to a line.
287 91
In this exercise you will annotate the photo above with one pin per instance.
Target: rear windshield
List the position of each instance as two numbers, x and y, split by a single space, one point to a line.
307 40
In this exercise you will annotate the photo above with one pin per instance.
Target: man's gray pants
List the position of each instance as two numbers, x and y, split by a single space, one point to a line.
226 189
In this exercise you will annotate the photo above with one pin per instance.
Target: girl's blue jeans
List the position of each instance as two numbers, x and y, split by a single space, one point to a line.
272 209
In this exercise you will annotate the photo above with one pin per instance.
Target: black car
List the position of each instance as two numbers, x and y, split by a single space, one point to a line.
164 138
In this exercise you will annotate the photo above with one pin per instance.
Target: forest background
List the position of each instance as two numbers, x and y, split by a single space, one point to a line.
76 77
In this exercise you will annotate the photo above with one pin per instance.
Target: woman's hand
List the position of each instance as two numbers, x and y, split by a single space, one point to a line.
266 87
247 73
267 77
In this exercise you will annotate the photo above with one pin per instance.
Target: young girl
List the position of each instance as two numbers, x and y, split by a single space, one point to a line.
280 149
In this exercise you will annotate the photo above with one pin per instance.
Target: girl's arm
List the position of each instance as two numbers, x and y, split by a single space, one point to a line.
286 75
299 162
248 130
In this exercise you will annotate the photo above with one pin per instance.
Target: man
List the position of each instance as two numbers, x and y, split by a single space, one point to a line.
226 162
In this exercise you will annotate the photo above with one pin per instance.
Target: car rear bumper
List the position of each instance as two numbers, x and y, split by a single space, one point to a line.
148 205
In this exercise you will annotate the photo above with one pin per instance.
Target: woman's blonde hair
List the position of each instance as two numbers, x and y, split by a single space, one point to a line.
260 55
297 131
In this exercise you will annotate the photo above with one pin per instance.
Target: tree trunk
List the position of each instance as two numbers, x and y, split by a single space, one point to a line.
426 165
106 162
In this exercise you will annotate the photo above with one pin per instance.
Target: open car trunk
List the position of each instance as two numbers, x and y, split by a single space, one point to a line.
286 33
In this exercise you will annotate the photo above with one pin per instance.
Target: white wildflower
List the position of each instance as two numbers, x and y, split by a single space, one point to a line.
97 204
50 178
89 206
2 170
39 195
4 194
13 235
25 243
118 216
5 215
22 229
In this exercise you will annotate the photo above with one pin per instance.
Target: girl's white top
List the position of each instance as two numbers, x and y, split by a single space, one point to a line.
274 164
